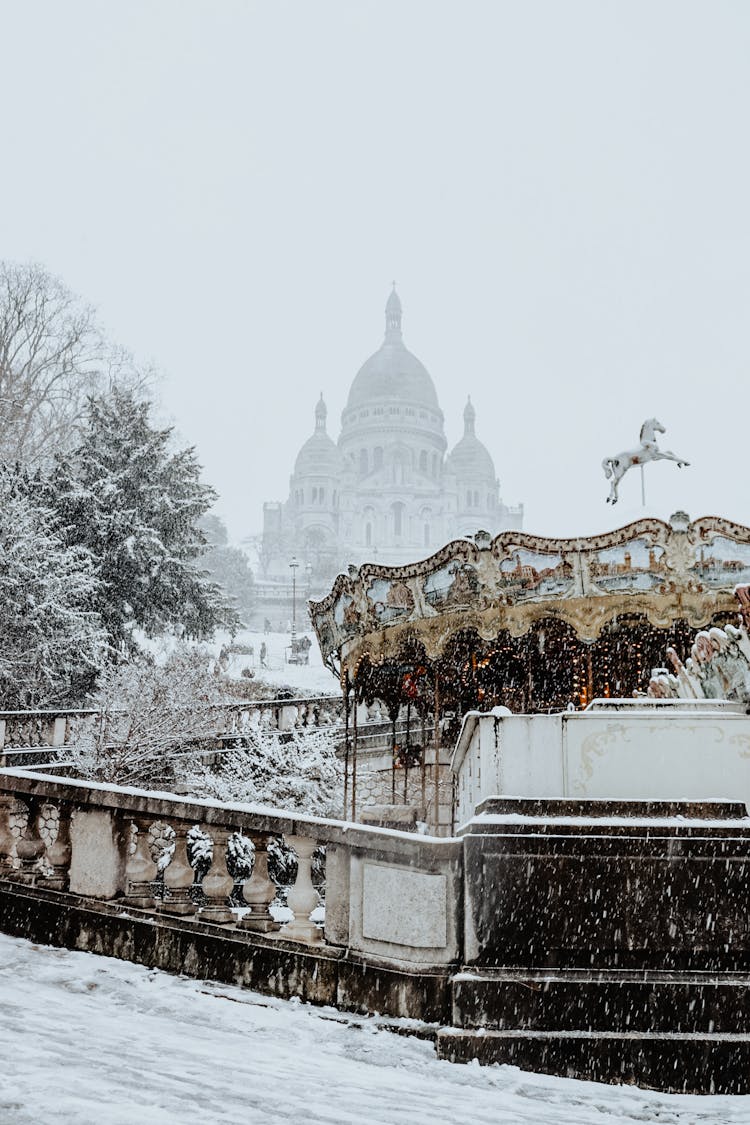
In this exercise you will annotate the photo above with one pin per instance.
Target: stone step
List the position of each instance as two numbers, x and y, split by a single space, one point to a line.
710 809
673 1063
611 1002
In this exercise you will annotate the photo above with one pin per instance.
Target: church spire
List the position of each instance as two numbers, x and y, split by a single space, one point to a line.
321 413
470 416
393 317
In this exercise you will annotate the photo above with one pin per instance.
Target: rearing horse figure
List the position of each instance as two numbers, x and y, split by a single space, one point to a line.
617 466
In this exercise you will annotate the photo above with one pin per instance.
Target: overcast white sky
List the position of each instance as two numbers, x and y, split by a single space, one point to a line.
561 189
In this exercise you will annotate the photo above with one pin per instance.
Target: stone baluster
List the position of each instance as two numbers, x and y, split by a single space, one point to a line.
259 891
302 898
140 869
178 876
59 852
31 847
218 883
6 836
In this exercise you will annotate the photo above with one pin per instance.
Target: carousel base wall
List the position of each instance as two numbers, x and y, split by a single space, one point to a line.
632 753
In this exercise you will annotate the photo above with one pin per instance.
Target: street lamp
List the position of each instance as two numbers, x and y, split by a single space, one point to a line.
293 567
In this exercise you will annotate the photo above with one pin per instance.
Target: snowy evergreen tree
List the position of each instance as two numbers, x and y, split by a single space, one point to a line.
228 566
135 504
52 643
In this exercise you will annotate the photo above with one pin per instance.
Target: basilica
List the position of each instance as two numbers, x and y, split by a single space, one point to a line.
387 491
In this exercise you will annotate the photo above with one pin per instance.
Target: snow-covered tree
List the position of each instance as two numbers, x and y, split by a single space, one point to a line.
149 715
135 503
51 640
52 355
228 566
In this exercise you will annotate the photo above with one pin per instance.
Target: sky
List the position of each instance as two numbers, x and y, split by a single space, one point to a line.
561 191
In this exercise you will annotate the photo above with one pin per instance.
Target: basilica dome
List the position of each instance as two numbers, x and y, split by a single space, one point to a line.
469 458
393 374
319 456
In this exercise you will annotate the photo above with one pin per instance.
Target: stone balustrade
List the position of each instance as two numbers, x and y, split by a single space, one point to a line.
130 845
29 737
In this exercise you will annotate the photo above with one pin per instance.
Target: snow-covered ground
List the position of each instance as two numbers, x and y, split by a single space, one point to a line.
313 677
87 1040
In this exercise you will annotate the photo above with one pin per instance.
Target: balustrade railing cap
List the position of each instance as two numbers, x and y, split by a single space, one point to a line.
237 815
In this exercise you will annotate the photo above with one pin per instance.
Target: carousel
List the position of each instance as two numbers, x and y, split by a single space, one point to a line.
519 621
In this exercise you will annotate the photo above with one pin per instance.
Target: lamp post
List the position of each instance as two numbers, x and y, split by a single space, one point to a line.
293 567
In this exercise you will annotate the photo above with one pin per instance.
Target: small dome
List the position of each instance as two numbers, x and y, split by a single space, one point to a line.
469 458
393 374
319 456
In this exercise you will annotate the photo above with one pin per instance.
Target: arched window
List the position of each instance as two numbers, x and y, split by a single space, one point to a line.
368 535
476 499
398 517
468 499
377 457
314 495
363 462
423 461
434 464
321 496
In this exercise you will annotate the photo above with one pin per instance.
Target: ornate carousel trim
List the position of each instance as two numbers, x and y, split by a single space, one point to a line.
656 570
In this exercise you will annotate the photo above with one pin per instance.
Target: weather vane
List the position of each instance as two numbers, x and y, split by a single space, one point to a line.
616 467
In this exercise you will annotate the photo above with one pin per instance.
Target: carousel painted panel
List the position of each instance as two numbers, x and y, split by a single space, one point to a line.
454 586
391 600
527 575
345 616
636 566
723 563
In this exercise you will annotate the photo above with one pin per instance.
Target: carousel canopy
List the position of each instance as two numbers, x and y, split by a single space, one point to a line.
660 573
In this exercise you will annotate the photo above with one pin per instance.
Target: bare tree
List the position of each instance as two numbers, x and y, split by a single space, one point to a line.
52 355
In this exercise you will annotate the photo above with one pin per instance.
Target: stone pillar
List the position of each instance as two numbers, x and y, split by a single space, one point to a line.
59 853
259 891
218 883
178 876
31 847
303 898
140 869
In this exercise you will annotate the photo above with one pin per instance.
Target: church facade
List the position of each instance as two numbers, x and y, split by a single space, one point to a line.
387 490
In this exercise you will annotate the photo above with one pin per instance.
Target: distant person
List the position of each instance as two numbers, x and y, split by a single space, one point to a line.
263 655
266 626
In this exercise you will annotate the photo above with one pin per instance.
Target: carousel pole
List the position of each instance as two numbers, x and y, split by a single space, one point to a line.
346 743
354 754
436 766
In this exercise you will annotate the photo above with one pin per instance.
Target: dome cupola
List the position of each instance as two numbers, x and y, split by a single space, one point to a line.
392 374
470 459
319 456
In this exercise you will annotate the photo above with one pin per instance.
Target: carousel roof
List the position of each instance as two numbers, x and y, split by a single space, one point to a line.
662 571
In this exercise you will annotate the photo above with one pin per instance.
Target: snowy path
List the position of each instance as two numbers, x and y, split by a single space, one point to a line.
88 1040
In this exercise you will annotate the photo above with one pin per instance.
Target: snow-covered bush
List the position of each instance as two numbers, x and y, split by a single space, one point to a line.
295 770
149 714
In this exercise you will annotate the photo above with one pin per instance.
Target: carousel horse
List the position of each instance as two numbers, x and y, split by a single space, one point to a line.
617 466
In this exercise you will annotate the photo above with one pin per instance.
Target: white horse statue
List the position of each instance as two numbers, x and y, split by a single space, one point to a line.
617 466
